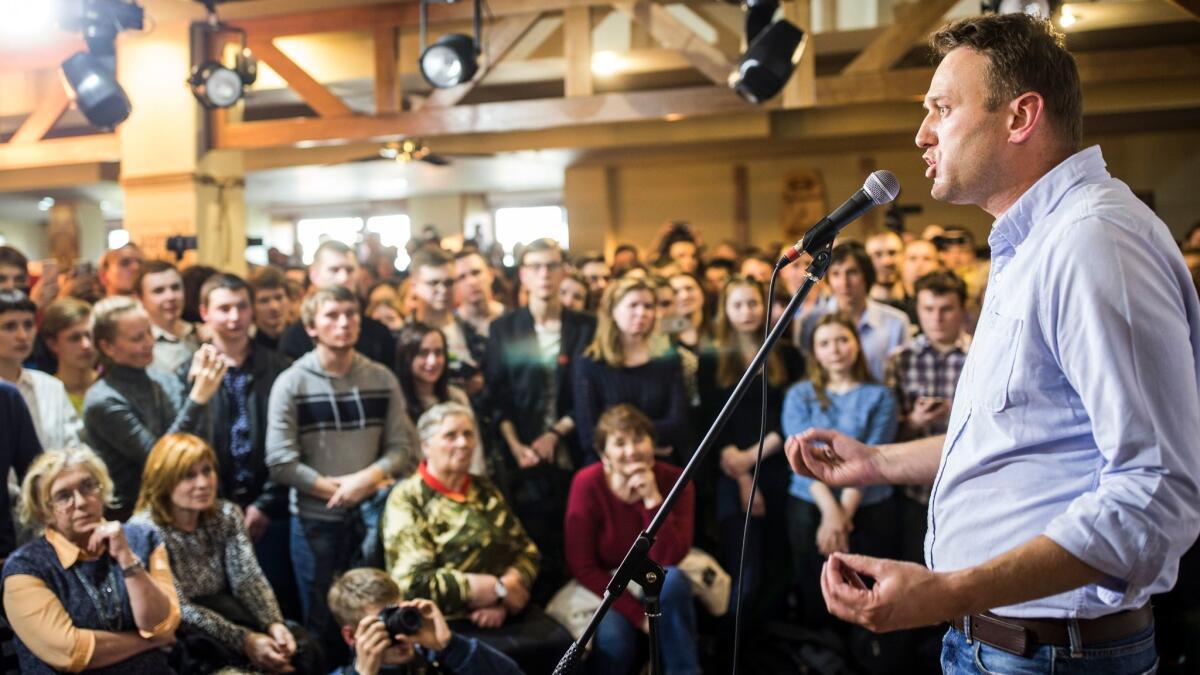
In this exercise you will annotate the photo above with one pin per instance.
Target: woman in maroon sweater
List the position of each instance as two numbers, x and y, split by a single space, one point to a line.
609 504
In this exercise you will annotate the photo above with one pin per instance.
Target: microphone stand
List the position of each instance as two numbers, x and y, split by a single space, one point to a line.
637 565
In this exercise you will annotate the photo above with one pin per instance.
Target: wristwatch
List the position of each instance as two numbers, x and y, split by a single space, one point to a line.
501 591
133 569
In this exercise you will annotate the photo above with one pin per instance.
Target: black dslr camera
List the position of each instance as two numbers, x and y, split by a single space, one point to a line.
401 621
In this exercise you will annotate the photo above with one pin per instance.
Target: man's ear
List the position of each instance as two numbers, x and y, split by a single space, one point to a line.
1026 115
348 634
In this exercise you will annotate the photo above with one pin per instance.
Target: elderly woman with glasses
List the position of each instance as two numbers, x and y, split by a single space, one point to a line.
88 594
450 537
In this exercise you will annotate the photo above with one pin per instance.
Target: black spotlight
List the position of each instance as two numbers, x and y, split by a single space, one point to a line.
768 62
97 94
450 61
214 84
454 58
759 14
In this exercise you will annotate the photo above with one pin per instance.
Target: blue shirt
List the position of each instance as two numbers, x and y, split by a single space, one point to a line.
1078 413
866 412
880 330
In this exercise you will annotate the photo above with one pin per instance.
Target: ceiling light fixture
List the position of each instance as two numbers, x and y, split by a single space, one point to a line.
768 62
454 58
1067 18
214 84
91 76
1040 8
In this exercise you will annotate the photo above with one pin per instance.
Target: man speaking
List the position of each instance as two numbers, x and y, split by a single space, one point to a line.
1066 488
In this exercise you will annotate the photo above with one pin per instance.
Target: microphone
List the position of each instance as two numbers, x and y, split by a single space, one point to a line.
881 187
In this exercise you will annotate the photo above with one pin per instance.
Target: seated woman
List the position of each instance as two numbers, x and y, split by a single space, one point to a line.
424 379
88 594
230 616
839 394
451 538
610 503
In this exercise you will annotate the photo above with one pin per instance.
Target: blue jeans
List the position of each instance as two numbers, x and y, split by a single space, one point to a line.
1134 655
320 550
616 643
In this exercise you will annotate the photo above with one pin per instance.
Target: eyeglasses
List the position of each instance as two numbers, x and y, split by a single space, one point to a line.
65 499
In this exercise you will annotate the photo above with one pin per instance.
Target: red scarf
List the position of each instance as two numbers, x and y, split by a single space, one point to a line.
436 484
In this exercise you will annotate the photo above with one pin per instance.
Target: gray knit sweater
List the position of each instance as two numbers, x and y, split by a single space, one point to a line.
321 425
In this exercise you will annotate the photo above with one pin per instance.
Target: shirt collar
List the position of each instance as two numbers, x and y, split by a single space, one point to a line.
921 343
160 334
441 488
68 553
1039 201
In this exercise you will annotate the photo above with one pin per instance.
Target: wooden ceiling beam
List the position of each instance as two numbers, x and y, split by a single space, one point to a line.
501 36
487 117
577 51
1190 6
97 148
672 33
387 71
801 89
319 98
913 22
50 107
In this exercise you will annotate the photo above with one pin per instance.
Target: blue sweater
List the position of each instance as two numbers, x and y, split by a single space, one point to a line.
866 412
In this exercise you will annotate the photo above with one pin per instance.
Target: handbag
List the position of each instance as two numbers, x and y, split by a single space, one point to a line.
710 582
573 606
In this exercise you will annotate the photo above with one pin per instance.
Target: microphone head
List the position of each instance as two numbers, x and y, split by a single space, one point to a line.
882 187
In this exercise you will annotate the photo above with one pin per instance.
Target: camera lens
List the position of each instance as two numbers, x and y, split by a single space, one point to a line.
401 620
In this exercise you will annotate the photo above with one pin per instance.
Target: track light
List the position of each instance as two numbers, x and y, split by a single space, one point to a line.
450 61
97 94
1040 8
214 84
91 75
768 62
454 58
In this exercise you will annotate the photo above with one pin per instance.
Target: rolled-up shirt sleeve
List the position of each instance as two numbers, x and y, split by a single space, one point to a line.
1126 337
160 573
41 622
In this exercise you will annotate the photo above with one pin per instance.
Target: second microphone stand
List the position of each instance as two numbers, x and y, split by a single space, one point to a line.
637 565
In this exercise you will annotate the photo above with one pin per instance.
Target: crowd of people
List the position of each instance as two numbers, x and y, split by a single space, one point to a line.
222 471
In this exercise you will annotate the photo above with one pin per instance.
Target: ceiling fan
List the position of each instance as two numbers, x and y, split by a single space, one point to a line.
410 150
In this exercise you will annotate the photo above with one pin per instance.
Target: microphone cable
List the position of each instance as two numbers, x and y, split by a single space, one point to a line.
768 301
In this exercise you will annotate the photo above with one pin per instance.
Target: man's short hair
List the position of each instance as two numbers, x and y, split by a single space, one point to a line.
351 593
539 245
589 258
312 304
230 282
429 257
333 245
152 267
16 300
852 250
268 278
469 252
11 257
1025 54
942 282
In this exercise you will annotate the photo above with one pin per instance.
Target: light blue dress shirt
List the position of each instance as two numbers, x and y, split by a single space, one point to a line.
1077 415
866 412
881 329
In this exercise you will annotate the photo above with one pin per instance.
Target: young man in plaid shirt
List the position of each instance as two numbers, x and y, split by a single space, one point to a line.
923 374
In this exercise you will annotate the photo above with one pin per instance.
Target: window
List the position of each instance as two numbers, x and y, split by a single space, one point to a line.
310 232
523 224
393 230
117 238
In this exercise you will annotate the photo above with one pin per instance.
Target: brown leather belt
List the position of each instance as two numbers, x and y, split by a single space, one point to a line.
1023 636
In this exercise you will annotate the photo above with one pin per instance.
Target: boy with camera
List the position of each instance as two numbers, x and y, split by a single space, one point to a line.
389 635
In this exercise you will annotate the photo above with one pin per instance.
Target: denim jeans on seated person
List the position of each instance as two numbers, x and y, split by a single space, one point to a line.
615 648
1134 655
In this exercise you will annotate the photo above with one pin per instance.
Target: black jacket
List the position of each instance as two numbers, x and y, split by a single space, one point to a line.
216 422
515 375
